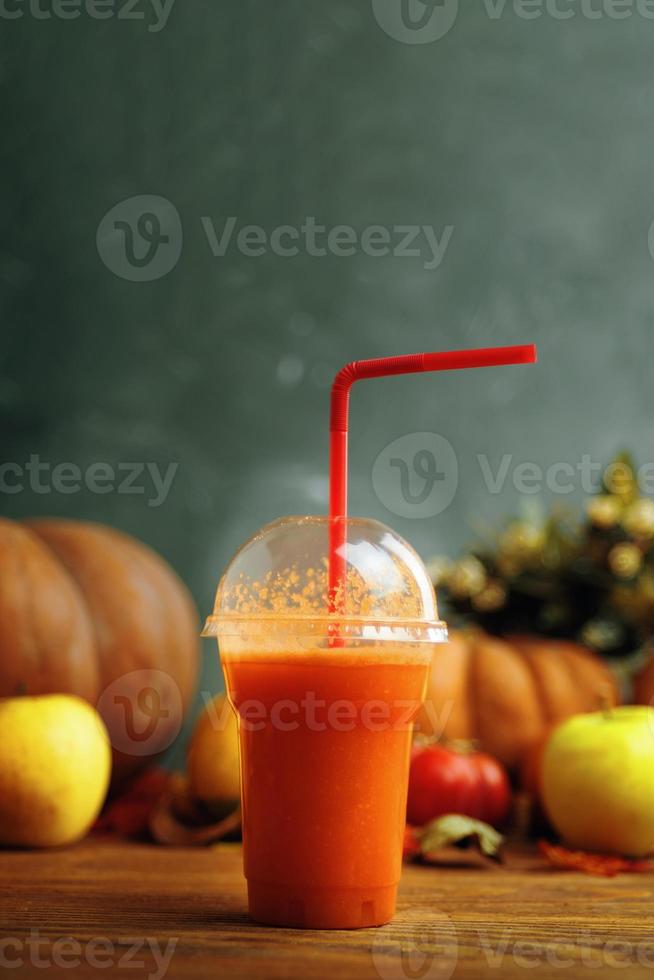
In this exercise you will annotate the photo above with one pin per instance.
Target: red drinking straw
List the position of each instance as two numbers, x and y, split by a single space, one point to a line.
381 367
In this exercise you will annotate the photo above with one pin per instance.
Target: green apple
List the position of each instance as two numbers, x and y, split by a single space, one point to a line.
597 781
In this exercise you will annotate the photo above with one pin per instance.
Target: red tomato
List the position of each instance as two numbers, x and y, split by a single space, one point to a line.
442 780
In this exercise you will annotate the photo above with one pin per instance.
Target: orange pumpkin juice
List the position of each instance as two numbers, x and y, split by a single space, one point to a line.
325 737
326 681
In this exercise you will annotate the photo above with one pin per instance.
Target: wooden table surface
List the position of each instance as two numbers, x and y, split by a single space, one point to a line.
106 908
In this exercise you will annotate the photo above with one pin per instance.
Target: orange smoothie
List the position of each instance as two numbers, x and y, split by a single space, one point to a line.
325 738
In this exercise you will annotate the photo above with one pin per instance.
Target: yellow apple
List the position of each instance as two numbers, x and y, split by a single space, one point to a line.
597 781
55 764
212 759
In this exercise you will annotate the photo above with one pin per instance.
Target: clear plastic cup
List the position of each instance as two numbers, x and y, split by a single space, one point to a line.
326 688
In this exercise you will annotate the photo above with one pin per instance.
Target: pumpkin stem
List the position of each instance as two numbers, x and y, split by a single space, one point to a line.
605 701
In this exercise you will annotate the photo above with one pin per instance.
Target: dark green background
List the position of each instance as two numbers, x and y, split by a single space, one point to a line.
533 138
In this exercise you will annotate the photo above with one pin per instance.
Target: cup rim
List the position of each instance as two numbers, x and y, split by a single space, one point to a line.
373 629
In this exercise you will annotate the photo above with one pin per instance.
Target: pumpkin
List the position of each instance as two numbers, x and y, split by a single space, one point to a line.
88 610
644 684
531 765
506 693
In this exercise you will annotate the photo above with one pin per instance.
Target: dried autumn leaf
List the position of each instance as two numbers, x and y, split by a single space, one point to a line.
168 821
411 844
604 865
454 828
127 815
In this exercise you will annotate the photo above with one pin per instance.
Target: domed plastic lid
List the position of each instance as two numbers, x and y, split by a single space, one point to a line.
279 582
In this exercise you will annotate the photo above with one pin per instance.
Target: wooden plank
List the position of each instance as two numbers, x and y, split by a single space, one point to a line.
182 913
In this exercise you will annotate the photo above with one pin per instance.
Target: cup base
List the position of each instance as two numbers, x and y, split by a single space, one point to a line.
321 908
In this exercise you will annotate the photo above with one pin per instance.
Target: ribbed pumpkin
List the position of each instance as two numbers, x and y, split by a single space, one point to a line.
88 610
644 684
506 693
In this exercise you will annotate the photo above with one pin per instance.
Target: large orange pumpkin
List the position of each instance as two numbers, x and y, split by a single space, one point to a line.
506 693
88 610
644 684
